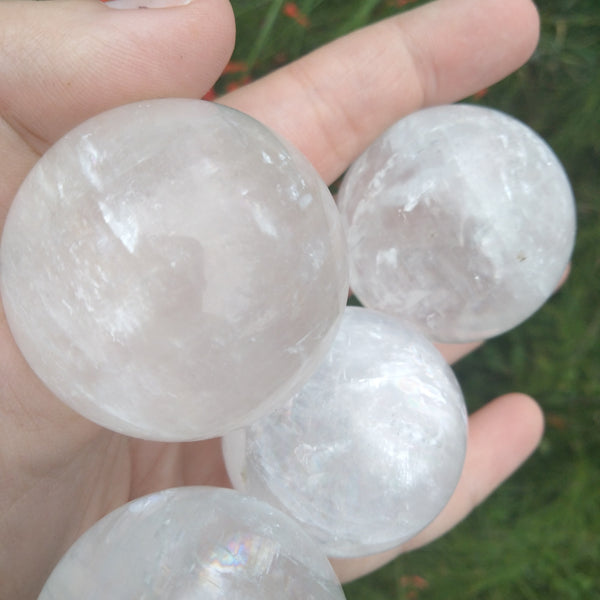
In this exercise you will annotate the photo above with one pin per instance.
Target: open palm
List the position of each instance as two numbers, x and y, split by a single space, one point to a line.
66 60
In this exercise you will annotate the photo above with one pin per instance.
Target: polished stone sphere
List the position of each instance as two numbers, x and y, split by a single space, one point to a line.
372 447
194 543
459 219
172 269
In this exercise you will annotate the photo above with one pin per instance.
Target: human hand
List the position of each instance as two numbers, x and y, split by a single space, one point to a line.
66 60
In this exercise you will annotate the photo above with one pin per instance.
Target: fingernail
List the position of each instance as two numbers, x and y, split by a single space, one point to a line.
128 4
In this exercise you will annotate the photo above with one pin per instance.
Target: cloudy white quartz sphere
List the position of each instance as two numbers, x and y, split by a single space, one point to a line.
194 543
460 219
372 447
172 269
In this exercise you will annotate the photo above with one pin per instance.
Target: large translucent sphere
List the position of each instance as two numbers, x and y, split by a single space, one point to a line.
459 219
172 269
194 543
372 447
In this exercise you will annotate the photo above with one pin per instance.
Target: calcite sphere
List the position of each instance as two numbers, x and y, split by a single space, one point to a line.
459 219
372 447
194 543
172 269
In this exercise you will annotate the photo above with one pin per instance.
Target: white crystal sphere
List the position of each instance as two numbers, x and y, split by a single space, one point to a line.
172 269
194 543
460 219
372 447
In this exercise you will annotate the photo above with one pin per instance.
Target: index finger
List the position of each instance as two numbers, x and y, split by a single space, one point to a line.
333 102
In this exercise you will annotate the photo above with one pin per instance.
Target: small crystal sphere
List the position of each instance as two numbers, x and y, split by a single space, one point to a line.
372 447
172 269
194 543
459 219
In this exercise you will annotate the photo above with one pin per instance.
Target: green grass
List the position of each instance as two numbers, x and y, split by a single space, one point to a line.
538 537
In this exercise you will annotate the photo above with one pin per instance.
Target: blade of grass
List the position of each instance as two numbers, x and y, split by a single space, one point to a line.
263 34
359 18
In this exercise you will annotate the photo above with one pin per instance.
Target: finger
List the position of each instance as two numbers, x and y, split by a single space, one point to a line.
64 61
501 436
454 352
335 101
564 278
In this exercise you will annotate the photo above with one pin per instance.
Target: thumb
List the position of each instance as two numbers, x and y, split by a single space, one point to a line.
65 60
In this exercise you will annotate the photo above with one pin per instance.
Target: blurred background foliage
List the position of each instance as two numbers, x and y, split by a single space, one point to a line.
538 537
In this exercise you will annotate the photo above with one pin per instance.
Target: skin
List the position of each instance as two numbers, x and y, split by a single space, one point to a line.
67 60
